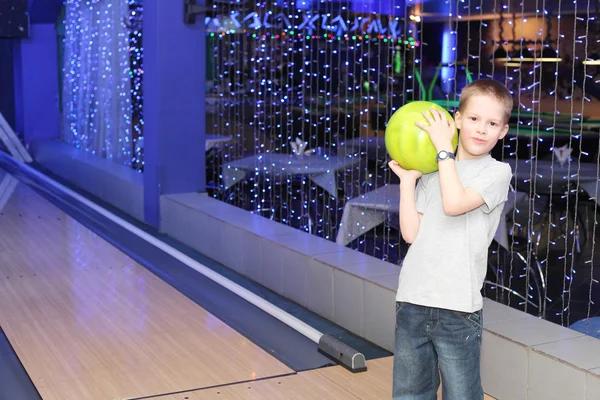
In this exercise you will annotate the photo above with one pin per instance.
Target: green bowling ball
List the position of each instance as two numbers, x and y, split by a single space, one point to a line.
408 144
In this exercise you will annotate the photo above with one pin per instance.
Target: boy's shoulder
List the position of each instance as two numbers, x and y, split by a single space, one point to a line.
486 171
499 166
484 168
489 164
493 173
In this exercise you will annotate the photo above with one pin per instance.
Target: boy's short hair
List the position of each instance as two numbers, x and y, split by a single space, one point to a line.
491 88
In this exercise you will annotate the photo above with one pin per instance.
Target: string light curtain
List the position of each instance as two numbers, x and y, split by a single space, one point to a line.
96 93
307 72
332 73
545 50
136 73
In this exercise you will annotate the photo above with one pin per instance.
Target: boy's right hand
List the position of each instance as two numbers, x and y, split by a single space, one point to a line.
403 174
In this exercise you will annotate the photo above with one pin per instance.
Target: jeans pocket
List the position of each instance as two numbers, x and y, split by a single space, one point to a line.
476 317
473 320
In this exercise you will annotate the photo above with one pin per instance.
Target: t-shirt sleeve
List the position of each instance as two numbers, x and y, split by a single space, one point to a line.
493 183
420 194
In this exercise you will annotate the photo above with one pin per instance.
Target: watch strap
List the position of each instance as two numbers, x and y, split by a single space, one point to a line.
447 154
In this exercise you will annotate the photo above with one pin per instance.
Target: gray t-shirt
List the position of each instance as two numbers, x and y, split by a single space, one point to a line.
446 265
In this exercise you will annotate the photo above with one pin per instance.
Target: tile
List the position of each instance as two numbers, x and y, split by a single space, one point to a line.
550 379
231 214
503 367
228 251
207 240
294 269
311 245
193 229
262 226
198 201
344 257
84 176
252 263
592 385
496 312
387 282
285 235
582 352
136 203
379 315
348 301
373 268
168 211
245 220
272 270
319 287
532 331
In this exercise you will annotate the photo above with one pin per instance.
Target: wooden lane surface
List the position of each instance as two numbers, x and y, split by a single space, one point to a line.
326 383
87 322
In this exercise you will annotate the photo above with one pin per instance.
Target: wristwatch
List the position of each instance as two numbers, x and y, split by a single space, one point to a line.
444 155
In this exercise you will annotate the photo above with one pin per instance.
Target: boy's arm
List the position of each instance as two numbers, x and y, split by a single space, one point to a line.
410 219
489 188
456 199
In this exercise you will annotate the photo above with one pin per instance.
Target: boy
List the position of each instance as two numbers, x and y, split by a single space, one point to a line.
450 222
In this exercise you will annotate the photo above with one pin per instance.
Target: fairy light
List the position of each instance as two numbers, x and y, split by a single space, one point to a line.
91 121
569 276
535 146
136 52
289 78
545 262
302 74
542 134
314 26
532 188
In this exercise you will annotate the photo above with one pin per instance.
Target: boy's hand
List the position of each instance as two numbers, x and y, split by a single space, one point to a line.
440 129
404 175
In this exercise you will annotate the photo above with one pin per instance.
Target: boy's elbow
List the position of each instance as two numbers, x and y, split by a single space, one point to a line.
408 238
452 209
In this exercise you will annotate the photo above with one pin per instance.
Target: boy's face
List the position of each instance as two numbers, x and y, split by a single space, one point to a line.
481 125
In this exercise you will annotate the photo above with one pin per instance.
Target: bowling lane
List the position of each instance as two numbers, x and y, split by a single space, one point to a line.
87 322
330 383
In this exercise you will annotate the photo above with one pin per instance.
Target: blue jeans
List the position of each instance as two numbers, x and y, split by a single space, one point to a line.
431 342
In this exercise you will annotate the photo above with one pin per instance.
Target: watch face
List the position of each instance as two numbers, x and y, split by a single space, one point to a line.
443 154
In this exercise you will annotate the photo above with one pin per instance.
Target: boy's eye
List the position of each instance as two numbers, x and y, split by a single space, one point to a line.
473 118
492 123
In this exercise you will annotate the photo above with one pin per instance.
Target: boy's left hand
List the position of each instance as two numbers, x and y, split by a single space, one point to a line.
441 130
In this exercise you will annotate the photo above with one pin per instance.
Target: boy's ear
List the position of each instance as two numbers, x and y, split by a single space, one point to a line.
504 132
457 119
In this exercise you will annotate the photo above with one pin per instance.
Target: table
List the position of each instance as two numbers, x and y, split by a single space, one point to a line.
363 213
320 169
215 140
553 180
373 147
548 172
522 141
558 131
545 116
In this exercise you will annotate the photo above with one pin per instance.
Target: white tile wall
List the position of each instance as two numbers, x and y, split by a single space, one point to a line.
523 357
